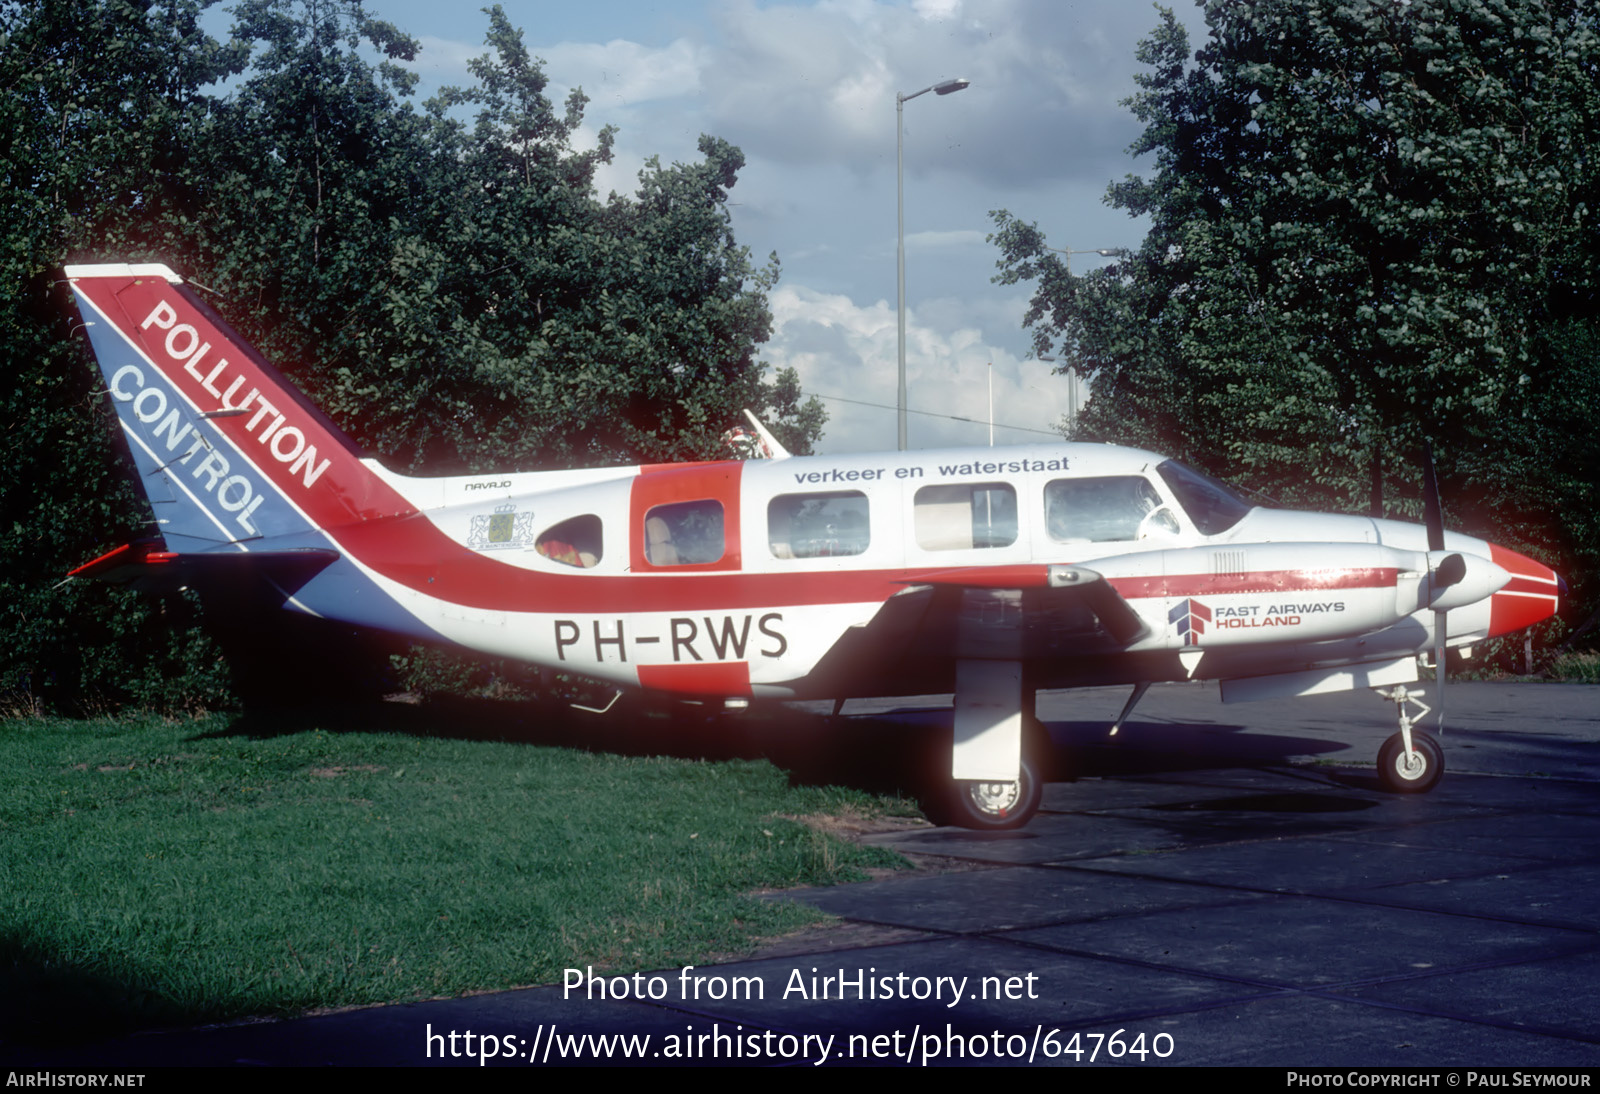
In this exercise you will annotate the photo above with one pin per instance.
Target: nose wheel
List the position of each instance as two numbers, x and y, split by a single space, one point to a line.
1410 762
1415 771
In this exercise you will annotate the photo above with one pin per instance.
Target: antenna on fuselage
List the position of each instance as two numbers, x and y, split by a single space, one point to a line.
773 450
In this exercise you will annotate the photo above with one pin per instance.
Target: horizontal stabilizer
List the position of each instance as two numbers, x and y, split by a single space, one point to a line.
149 567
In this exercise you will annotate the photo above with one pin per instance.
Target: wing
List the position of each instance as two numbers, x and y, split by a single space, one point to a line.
1039 615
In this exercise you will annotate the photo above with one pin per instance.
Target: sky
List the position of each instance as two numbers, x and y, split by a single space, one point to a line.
807 90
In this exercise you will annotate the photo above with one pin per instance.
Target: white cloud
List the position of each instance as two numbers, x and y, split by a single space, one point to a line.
949 240
806 82
616 75
848 352
444 60
620 73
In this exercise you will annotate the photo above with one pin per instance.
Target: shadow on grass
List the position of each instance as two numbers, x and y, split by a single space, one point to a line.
905 751
44 1004
886 755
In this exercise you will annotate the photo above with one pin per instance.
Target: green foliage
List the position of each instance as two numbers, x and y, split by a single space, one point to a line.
93 100
1577 668
455 296
1370 226
427 672
157 872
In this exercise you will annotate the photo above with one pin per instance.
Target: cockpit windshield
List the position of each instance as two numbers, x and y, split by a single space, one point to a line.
1212 506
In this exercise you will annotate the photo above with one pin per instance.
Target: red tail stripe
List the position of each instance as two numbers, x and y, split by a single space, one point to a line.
216 372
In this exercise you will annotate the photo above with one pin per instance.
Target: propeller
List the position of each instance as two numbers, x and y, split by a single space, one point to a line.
1447 571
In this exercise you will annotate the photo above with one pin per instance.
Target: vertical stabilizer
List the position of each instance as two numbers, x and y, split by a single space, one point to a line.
227 450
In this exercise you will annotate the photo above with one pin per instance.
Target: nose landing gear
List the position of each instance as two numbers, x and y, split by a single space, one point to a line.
1410 762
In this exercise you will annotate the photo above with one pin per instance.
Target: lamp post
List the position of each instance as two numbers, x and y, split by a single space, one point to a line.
946 87
1071 368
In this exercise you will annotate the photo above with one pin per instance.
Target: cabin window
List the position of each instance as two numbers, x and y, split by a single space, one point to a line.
824 525
1113 508
964 516
685 533
1212 506
576 541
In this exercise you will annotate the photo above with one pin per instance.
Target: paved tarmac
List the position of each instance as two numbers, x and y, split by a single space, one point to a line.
1216 885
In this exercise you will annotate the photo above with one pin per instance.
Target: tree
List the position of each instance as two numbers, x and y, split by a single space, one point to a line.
456 297
1369 228
96 101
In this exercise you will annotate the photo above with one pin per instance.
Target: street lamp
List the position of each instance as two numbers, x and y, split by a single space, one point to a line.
947 87
1103 252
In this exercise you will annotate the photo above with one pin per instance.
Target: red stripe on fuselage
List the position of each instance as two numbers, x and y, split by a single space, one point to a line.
1028 576
712 678
1267 581
413 552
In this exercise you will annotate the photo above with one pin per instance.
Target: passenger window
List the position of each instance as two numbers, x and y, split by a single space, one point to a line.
1115 508
574 542
818 525
963 516
685 533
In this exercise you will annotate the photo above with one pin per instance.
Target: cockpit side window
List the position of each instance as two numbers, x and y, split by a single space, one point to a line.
1212 506
685 533
823 525
1106 509
963 516
576 541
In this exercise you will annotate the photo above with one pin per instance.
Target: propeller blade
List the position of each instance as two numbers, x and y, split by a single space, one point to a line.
1449 571
1432 511
1439 636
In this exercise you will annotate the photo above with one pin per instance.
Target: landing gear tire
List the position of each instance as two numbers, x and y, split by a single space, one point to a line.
988 806
1418 776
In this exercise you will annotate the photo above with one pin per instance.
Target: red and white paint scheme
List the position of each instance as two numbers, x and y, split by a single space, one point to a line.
989 573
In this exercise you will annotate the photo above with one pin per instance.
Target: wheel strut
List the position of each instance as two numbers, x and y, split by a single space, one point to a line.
1401 695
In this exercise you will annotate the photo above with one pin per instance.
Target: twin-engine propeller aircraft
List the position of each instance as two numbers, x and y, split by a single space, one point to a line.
989 573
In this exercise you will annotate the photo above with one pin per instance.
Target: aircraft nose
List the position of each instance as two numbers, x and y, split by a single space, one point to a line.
1528 598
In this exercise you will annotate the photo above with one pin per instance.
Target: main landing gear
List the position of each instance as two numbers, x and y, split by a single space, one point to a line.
996 733
1410 762
994 806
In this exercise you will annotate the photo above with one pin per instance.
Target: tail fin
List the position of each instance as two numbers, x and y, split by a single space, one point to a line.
227 450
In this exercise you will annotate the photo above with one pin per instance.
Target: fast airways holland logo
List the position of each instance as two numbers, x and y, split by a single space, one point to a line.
1191 618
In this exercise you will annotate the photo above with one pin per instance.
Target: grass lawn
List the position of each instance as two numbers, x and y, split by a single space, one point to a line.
156 872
